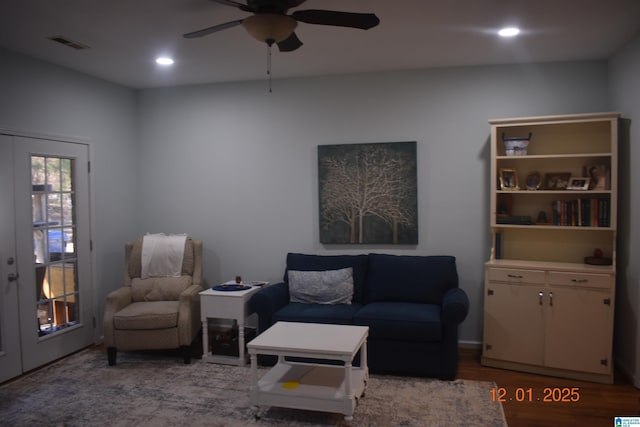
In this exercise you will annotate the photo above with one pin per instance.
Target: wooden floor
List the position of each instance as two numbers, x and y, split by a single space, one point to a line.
597 405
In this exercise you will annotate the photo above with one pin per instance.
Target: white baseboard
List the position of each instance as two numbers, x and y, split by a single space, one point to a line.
629 374
471 345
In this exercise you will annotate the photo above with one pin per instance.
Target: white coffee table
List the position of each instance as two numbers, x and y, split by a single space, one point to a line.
311 386
225 305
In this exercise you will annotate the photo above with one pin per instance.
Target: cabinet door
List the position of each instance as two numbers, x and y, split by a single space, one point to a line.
579 329
514 323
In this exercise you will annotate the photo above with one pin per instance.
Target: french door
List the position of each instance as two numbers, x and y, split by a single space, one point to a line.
46 302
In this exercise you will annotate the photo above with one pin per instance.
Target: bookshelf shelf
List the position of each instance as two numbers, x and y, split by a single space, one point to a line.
561 192
552 156
552 227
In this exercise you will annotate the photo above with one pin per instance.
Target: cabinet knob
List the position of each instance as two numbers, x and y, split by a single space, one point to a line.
540 295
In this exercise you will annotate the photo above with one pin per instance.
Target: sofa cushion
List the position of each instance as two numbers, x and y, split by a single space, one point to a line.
159 288
401 321
304 262
147 315
321 287
410 278
340 314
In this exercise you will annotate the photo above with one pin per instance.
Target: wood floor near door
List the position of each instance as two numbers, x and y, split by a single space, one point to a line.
593 404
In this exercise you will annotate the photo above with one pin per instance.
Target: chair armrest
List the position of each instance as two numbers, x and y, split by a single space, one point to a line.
189 322
197 263
116 301
455 306
190 293
267 301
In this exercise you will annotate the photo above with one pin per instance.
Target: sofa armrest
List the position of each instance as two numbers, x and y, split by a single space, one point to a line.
455 306
116 301
189 314
267 301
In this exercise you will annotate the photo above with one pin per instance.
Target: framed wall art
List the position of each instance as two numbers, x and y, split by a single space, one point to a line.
368 193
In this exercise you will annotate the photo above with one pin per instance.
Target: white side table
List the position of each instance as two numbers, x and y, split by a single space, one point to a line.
225 305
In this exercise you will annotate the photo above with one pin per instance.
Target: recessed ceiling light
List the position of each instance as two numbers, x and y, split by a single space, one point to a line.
509 32
164 61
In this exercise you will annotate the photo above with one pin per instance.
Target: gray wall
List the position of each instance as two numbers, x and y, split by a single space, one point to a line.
236 166
43 98
625 96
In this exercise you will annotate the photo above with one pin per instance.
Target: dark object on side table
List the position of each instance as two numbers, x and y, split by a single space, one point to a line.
224 341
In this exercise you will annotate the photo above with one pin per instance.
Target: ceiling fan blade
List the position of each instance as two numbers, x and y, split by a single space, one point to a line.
289 44
270 6
363 21
215 28
294 3
232 3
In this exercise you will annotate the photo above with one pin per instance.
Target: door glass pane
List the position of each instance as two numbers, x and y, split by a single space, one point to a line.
52 166
55 263
65 174
66 209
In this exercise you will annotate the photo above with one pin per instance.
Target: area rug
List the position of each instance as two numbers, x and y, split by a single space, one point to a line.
148 389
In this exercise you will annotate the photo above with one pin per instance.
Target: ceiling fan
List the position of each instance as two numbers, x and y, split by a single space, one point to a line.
271 24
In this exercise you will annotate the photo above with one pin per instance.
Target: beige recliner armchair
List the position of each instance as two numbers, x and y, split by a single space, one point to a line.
156 312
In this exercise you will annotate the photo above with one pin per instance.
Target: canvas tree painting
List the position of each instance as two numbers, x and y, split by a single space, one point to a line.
368 193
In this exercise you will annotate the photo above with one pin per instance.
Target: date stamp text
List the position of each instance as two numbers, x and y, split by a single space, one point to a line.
529 394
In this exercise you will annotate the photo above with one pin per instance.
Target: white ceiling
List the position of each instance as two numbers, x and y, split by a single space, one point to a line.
125 36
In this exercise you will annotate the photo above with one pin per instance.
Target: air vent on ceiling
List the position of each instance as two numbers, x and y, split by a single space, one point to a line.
65 41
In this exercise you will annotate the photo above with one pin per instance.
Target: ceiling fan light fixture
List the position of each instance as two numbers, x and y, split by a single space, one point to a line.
270 27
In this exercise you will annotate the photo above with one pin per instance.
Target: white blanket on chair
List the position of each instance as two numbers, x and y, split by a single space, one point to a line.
162 255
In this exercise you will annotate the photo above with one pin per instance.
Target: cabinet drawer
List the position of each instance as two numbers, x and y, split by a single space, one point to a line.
516 275
587 280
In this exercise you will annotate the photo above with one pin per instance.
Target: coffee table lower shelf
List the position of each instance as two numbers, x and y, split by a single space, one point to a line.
311 387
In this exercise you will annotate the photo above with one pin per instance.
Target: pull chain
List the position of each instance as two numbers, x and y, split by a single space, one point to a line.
269 65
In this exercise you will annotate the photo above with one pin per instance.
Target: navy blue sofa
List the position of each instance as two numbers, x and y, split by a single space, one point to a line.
411 304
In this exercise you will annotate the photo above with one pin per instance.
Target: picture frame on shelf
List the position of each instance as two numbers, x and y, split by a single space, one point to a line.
509 180
542 219
504 204
598 177
533 181
578 183
556 180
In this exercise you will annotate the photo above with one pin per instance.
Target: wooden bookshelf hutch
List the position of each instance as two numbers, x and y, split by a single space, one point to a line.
550 280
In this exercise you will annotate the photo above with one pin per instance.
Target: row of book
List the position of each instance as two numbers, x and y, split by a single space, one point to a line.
581 212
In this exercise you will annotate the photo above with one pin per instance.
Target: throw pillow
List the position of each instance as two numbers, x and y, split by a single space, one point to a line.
321 287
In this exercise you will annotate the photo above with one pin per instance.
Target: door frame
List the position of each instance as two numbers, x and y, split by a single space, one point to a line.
10 352
92 257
